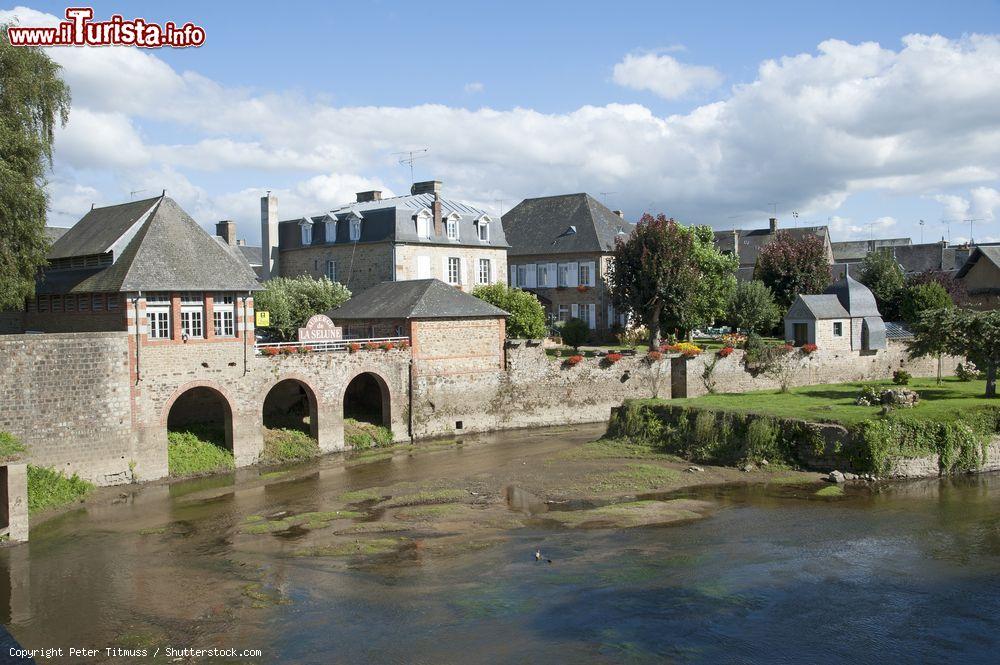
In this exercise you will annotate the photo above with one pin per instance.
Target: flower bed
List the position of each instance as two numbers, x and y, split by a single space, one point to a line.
654 356
808 348
574 360
612 358
725 351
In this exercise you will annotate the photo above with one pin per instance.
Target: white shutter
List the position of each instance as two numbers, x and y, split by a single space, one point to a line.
423 267
463 273
513 275
592 315
551 276
444 270
531 276
574 311
592 274
573 278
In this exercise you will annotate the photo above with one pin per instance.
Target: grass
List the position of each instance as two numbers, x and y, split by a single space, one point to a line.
633 513
48 488
360 496
610 448
194 451
355 548
360 435
424 497
633 478
831 490
10 447
835 402
430 512
287 445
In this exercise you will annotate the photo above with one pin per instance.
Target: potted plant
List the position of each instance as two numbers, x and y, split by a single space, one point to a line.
353 347
574 360
612 358
725 351
371 346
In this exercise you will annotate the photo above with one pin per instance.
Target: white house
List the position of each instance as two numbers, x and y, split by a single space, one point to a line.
843 318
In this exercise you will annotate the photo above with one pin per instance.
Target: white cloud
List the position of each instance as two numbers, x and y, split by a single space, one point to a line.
844 228
474 87
664 75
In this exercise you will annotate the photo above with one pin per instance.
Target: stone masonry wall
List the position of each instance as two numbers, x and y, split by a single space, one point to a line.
360 266
66 396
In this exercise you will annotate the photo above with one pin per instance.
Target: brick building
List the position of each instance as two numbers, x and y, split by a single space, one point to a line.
374 240
560 249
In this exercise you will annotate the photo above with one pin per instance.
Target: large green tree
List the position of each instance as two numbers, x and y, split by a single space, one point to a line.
752 307
883 275
33 99
654 274
290 301
527 316
791 265
916 299
716 281
962 332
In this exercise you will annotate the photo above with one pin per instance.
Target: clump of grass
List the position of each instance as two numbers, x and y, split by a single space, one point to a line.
10 447
633 513
424 497
355 548
634 478
287 445
360 435
48 488
189 453
429 512
831 490
360 496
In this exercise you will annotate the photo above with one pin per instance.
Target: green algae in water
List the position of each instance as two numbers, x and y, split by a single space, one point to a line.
629 514
430 512
314 520
360 496
357 548
831 491
633 478
424 497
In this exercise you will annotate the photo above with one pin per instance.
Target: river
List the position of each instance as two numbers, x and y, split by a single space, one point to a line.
771 574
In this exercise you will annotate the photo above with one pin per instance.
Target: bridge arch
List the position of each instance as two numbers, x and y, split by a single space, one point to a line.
290 402
202 406
367 398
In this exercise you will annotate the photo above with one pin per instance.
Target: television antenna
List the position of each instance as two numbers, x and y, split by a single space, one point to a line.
411 156
970 221
132 194
795 216
604 195
922 222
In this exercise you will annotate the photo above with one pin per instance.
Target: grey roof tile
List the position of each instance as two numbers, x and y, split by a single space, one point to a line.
855 297
99 230
564 224
990 253
820 306
414 299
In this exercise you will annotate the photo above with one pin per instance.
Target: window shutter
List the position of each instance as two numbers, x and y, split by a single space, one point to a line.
532 276
573 278
592 275
551 276
444 270
592 315
574 311
513 275
462 271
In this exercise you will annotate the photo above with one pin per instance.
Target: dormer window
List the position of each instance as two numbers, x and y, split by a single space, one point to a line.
483 228
424 224
306 227
355 229
330 226
451 226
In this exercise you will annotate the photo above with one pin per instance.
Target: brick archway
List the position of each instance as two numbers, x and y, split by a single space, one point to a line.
359 397
201 404
279 397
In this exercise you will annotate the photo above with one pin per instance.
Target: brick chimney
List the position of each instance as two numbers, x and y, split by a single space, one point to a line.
774 224
371 195
269 236
436 213
426 187
619 213
226 229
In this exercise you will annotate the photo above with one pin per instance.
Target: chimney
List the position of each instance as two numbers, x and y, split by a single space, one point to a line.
241 242
226 229
774 224
426 187
436 213
736 244
372 195
619 213
269 236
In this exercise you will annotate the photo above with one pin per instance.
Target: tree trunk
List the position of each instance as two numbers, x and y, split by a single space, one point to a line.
654 328
939 370
991 380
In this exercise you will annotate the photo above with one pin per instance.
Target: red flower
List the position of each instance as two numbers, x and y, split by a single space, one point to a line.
725 351
306 349
653 356
574 360
612 358
288 350
788 347
271 351
387 346
808 348
404 345
371 346
354 347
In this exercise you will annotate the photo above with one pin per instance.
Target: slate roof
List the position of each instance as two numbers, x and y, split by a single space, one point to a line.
753 240
392 219
414 299
164 250
53 233
251 254
857 250
99 230
990 253
929 256
819 306
564 224
854 296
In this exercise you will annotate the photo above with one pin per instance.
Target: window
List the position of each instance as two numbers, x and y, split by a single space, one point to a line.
546 275
331 270
97 302
57 304
585 274
588 313
43 303
158 314
838 329
355 230
307 232
83 303
193 315
112 302
522 276
484 229
564 312
564 274
423 224
485 276
454 270
224 315
452 227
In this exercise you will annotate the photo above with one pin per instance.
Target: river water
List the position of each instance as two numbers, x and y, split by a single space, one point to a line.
909 572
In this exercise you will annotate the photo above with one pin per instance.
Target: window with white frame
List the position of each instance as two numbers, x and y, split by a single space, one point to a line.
543 274
224 314
331 270
838 329
564 312
454 270
586 274
484 229
451 226
158 315
307 232
564 274
423 224
193 315
485 271
355 229
522 275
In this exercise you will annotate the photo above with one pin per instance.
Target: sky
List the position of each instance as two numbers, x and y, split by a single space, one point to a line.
868 117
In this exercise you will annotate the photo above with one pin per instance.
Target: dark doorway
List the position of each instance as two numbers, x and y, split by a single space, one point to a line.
800 331
367 400
291 404
205 412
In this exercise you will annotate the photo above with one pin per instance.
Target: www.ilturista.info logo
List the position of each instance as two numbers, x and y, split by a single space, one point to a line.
79 30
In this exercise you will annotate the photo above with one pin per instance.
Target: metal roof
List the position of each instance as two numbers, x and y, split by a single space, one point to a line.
414 299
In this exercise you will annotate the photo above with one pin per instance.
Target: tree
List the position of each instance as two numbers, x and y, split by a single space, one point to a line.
575 332
527 316
32 99
882 274
963 332
292 300
752 308
790 266
654 274
919 298
954 286
716 282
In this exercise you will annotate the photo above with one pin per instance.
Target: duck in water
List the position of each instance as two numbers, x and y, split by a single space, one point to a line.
538 556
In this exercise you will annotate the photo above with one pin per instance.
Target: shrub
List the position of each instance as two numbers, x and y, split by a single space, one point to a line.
633 337
870 396
10 446
271 351
763 437
575 332
901 377
654 356
967 371
574 360
371 346
734 340
361 436
388 346
725 351
527 316
48 488
612 358
292 300
808 348
287 445
353 347
194 451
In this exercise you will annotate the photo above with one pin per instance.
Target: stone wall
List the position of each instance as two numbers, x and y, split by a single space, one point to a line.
66 396
406 262
822 366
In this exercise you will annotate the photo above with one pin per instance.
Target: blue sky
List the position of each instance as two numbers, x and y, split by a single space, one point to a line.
521 99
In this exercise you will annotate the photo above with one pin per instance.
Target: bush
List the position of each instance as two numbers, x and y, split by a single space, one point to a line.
287 445
734 340
809 348
574 360
353 347
633 337
575 332
371 346
527 316
197 450
361 436
10 446
292 300
48 488
763 438
751 307
967 371
901 377
388 346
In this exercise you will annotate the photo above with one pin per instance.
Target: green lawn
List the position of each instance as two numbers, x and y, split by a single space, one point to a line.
835 402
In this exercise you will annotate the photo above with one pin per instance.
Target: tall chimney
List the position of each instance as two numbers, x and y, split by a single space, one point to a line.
269 236
436 213
774 224
371 195
226 229
426 187
619 213
736 245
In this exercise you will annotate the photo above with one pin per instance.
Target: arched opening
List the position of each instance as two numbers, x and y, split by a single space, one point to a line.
290 404
200 432
367 400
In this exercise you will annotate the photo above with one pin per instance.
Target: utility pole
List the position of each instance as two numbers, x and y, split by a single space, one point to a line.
411 156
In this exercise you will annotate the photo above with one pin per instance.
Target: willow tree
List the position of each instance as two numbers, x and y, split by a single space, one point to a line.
33 98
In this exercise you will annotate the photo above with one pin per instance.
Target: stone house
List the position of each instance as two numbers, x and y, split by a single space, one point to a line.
145 267
746 244
560 249
981 276
843 318
374 240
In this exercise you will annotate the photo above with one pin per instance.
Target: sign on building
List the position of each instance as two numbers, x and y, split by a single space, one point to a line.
262 319
320 328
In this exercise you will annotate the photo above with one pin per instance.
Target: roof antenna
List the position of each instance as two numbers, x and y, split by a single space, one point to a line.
164 192
604 195
132 194
411 156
